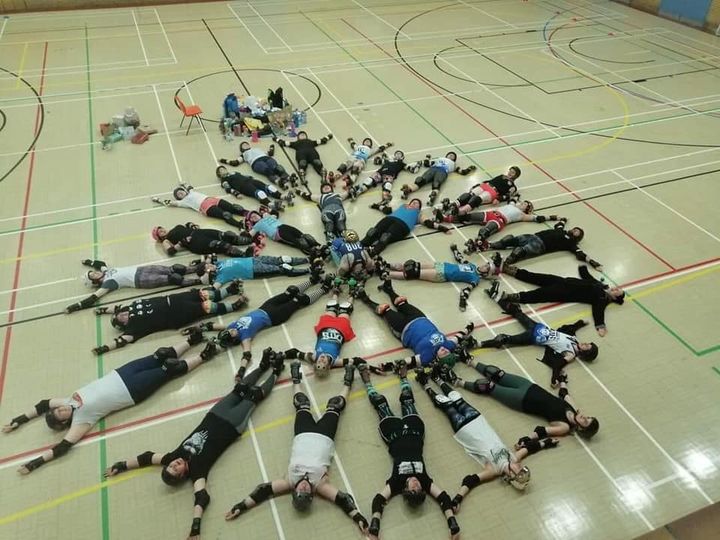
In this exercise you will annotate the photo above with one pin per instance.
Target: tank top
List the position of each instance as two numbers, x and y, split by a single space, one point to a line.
557 341
479 440
192 200
96 400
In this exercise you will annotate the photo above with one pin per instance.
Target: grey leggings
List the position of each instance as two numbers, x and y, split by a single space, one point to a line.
526 246
236 409
510 390
267 265
434 176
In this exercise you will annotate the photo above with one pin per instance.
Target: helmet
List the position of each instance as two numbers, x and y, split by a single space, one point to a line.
589 431
454 156
177 191
519 480
155 233
302 500
399 155
449 360
225 339
350 235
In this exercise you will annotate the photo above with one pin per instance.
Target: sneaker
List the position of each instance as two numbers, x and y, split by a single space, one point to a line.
349 375
295 372
209 351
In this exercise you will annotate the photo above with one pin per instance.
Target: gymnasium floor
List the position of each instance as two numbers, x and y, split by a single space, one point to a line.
611 113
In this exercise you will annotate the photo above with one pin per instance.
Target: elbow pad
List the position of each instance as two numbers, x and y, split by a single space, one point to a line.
42 406
262 493
145 459
202 499
444 501
541 432
62 448
378 504
540 219
345 502
120 342
171 250
563 392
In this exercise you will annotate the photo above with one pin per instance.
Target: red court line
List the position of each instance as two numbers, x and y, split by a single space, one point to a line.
201 404
518 152
21 240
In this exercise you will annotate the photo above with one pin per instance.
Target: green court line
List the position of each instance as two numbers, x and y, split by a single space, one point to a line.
716 370
703 352
104 505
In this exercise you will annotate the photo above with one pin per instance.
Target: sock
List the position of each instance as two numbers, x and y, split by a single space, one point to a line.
316 294
405 385
304 286
370 389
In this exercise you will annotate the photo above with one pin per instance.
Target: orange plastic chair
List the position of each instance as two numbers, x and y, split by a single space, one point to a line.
192 111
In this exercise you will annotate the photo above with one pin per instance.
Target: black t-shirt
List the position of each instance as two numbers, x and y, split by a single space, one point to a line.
205 444
540 402
304 148
405 438
391 168
557 240
178 234
503 185
237 180
147 315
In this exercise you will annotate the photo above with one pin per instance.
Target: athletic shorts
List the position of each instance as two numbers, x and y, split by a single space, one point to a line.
341 324
207 204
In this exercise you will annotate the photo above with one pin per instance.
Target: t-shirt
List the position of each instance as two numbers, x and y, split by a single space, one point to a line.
557 341
424 338
511 212
461 273
268 225
235 268
311 454
331 202
361 152
540 402
192 200
96 400
250 324
479 440
148 315
447 165
117 278
558 240
409 216
503 185
251 155
205 444
332 332
179 234
406 441
391 167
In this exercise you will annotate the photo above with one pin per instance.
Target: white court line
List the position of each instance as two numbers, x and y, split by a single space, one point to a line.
506 23
288 47
661 203
4 24
167 135
381 19
247 29
663 481
498 96
142 45
162 28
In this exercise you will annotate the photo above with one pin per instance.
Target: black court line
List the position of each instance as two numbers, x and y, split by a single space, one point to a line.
421 235
222 51
572 42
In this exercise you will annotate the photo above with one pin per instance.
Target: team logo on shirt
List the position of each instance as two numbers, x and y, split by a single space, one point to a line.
437 339
243 323
195 444
330 334
542 335
411 467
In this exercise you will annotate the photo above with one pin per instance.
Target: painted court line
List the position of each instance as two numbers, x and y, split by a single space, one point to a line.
285 44
167 40
379 18
142 45
247 29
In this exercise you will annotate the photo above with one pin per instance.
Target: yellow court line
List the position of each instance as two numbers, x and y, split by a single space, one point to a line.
89 490
78 247
22 66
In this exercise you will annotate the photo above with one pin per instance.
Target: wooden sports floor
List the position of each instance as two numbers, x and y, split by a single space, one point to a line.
612 115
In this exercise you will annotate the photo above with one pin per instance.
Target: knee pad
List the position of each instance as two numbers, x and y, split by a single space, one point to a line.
342 168
178 268
475 201
332 305
336 404
411 269
493 373
262 197
227 216
175 367
483 386
301 402
218 246
345 308
406 396
454 396
385 238
515 255
307 241
175 279
317 164
256 394
303 164
165 352
441 401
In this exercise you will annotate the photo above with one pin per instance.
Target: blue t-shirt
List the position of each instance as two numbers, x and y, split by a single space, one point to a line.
237 268
409 216
249 325
268 225
462 273
329 341
340 247
362 152
424 338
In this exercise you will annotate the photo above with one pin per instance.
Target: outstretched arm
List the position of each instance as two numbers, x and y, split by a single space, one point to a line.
87 302
466 170
345 502
325 139
202 500
445 503
74 434
293 354
117 343
540 219
260 494
378 505
41 407
145 459
170 248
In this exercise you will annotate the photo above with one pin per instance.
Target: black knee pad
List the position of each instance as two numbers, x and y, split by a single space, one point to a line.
493 373
175 279
238 209
406 396
165 352
307 241
475 201
303 164
175 367
336 404
218 246
229 236
464 198
345 308
515 255
227 216
332 305
178 268
483 386
411 269
301 402
256 394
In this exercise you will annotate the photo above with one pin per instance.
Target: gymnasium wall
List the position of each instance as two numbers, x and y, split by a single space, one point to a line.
18 6
703 14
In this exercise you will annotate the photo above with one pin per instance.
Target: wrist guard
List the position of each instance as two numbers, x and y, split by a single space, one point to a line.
240 508
533 446
35 463
195 528
374 528
457 500
119 467
87 302
20 420
360 520
305 195
101 350
247 355
453 525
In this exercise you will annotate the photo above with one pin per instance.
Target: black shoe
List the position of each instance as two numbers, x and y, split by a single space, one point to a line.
295 373
349 375
421 376
278 363
493 290
209 351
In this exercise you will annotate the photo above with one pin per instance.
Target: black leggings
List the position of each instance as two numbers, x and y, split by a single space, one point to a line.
282 306
388 230
309 157
398 320
327 425
143 377
225 210
237 409
252 187
292 236
460 413
551 288
526 337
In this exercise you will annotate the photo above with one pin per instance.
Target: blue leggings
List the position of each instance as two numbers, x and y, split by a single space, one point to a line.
143 376
268 167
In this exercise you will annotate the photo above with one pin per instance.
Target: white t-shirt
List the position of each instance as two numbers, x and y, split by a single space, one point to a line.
482 443
511 212
96 400
446 164
251 155
192 200
557 341
117 278
311 454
